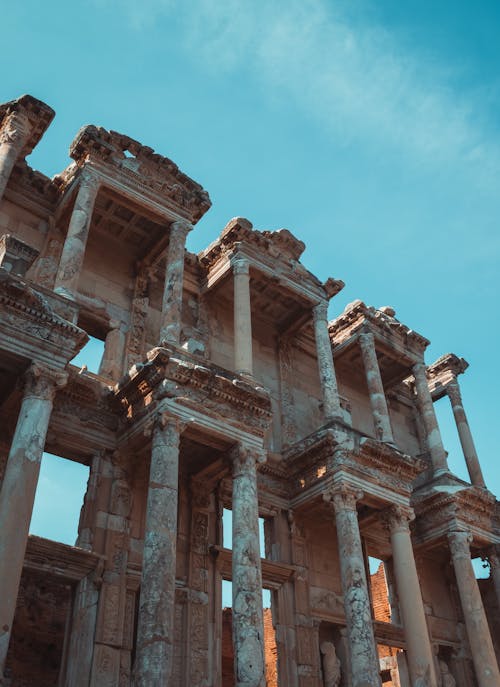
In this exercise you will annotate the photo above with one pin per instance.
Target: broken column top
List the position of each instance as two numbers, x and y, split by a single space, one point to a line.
38 113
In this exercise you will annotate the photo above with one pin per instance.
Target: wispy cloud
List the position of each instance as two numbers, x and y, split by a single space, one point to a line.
357 81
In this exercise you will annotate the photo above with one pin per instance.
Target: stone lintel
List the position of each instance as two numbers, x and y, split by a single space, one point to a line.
457 505
42 322
55 559
358 317
136 165
443 371
38 113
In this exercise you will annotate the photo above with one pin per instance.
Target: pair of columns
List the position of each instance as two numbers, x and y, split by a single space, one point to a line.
71 262
19 486
155 632
364 661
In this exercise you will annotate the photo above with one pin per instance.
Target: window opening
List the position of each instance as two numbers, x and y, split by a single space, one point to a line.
379 590
91 355
59 496
227 532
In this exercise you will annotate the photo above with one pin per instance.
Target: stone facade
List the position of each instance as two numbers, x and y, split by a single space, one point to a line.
222 386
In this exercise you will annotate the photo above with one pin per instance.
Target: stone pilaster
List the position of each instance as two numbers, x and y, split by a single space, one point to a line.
483 653
243 354
155 631
464 433
170 328
432 433
19 486
359 622
73 252
248 625
418 645
13 136
331 398
376 391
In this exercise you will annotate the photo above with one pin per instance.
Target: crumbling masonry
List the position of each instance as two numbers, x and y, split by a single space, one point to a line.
222 385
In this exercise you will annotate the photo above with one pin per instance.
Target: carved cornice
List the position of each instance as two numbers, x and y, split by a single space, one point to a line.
176 374
88 401
359 317
142 168
39 317
37 116
443 372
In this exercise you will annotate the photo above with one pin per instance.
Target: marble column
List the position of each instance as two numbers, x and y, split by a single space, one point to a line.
432 433
465 435
19 486
418 645
248 625
376 391
13 136
364 661
170 328
331 398
155 631
73 252
243 356
481 646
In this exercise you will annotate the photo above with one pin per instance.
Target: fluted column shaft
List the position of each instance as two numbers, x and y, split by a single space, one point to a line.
73 252
248 624
155 630
362 647
170 329
13 136
432 433
465 435
19 486
481 645
418 645
328 379
243 355
376 391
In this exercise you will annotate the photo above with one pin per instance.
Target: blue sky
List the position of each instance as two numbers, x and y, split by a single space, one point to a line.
369 129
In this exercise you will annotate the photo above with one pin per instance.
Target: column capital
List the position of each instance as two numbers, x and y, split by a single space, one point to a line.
453 392
366 338
343 497
320 311
397 518
163 419
89 179
41 381
16 129
243 457
459 542
180 229
240 264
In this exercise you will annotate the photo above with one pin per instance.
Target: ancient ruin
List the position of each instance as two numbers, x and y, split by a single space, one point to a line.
223 386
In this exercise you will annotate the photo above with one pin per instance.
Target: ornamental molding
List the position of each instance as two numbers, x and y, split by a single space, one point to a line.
170 373
138 167
358 317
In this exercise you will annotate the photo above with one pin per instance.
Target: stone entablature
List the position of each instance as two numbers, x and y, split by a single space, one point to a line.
445 370
450 504
157 178
188 387
41 316
359 318
273 254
